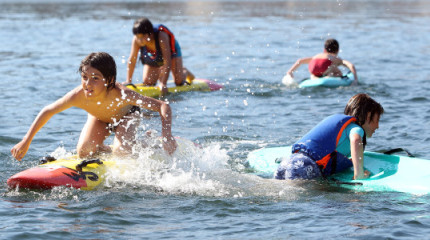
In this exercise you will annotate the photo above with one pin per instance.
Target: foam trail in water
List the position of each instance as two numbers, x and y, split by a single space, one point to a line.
191 170
194 170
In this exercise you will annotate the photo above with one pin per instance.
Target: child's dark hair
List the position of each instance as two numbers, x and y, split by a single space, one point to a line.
360 105
104 63
143 26
331 46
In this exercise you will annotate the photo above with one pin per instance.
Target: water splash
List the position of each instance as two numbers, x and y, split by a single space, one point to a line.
287 80
185 172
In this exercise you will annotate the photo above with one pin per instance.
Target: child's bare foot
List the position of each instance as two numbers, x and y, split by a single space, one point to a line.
189 76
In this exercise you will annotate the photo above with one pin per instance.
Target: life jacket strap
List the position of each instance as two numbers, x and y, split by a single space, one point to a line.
171 36
322 163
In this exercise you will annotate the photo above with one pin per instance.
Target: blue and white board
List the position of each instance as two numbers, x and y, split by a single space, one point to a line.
330 82
388 172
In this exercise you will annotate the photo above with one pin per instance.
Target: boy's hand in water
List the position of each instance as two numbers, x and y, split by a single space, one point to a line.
366 174
169 145
20 149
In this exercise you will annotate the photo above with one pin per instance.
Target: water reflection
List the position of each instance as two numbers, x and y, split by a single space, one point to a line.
288 9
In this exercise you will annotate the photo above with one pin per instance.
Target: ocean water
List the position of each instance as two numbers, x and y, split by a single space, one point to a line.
209 192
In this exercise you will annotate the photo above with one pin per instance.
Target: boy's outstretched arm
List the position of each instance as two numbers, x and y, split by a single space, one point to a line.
20 149
132 59
297 65
169 143
167 62
358 157
351 67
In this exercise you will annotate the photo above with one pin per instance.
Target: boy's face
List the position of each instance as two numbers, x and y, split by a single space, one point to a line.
93 82
371 125
143 38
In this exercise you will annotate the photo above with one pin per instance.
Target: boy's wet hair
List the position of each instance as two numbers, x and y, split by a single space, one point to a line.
331 45
104 63
143 26
360 105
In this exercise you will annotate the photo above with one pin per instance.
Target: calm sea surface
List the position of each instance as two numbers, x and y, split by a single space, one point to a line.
210 193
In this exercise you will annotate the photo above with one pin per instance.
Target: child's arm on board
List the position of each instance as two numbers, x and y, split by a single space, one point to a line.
20 149
161 107
357 157
351 67
297 65
132 59
167 58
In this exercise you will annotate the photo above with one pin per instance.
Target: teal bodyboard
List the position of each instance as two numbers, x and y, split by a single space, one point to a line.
388 172
330 82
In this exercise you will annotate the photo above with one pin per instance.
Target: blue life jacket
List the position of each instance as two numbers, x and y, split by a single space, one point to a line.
156 59
320 144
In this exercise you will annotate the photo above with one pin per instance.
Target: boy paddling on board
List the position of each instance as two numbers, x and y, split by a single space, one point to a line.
335 144
325 63
160 53
110 106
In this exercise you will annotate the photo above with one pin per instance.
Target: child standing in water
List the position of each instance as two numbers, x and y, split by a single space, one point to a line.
325 63
326 149
110 107
160 53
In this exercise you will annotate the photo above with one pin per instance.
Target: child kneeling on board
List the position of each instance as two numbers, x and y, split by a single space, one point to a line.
160 54
328 147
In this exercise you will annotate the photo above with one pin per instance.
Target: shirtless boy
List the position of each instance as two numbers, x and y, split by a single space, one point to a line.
110 107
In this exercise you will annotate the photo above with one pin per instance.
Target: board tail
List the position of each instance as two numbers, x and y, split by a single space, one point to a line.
213 86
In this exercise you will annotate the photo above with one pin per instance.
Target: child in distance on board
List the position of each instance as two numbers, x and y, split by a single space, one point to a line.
160 53
326 149
325 63
110 107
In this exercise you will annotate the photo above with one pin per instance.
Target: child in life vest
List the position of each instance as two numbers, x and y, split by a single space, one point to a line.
160 53
325 63
110 106
335 144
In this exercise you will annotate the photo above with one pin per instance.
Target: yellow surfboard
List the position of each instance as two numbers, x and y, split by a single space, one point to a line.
84 174
70 172
202 85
